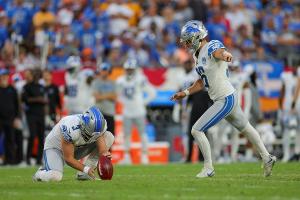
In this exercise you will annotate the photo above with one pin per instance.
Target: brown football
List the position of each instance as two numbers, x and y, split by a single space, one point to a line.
105 168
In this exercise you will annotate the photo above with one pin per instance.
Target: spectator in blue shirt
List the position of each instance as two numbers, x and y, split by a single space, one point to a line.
295 24
275 15
3 29
90 10
86 37
52 5
269 37
216 29
172 26
21 18
58 60
101 21
76 24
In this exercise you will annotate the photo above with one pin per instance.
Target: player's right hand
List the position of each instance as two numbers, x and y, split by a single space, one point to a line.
108 155
91 172
178 96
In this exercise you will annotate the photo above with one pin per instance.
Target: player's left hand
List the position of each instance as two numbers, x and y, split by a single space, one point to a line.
227 57
178 96
108 155
91 172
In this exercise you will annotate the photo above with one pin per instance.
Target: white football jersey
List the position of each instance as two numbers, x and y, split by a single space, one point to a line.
69 127
213 72
238 81
131 95
19 86
186 80
79 91
290 82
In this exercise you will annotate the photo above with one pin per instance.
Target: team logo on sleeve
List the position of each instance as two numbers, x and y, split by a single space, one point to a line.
65 134
203 60
215 46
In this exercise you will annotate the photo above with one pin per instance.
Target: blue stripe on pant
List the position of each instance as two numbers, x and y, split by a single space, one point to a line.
228 105
46 162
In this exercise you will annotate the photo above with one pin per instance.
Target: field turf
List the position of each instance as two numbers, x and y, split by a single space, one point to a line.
168 182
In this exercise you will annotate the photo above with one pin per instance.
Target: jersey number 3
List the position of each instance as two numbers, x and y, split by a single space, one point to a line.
200 71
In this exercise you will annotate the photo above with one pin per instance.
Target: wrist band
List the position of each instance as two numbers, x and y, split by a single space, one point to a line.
293 105
86 169
187 92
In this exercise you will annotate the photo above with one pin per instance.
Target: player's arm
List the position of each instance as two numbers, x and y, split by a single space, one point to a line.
102 148
68 152
196 87
248 99
296 94
222 54
282 91
108 96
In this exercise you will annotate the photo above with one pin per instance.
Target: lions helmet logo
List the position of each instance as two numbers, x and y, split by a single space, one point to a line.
191 29
86 120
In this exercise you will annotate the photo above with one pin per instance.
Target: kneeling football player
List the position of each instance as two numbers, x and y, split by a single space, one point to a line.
73 138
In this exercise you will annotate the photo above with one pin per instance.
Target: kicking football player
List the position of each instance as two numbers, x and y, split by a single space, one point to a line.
130 88
210 60
289 119
73 138
78 92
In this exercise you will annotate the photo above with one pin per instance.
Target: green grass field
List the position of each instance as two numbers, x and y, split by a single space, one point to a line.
175 181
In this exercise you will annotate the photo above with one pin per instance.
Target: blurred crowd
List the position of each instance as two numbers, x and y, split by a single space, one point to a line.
43 33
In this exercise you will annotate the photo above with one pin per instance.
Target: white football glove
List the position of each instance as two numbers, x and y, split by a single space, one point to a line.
48 121
176 113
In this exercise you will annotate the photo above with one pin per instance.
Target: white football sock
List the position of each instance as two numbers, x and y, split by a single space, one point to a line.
286 144
204 147
255 139
234 145
249 153
144 138
51 175
297 143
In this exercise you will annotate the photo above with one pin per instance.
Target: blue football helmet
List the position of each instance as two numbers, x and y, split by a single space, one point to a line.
92 122
194 33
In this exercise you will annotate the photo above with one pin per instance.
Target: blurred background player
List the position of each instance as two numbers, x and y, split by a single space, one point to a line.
256 114
28 77
78 93
185 80
288 119
73 138
105 93
131 88
9 112
36 107
54 99
240 81
19 128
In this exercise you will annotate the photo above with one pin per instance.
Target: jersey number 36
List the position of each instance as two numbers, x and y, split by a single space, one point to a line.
200 71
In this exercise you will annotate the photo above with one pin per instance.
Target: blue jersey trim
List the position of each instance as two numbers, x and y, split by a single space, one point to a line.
228 105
